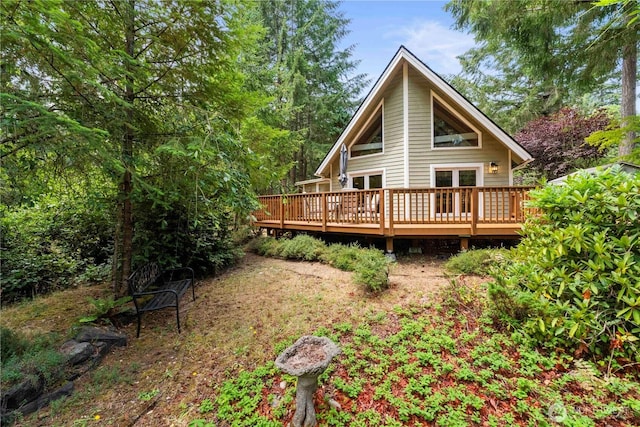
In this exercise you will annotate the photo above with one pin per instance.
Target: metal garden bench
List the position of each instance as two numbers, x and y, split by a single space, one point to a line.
151 289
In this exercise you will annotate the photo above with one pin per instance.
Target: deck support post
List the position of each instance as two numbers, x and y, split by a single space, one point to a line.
389 245
389 249
464 243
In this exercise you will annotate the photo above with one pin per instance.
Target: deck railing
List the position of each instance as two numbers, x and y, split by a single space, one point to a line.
386 208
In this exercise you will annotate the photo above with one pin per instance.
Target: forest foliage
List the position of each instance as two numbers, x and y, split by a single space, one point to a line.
149 126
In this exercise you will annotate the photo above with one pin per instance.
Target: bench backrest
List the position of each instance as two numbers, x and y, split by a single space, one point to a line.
143 277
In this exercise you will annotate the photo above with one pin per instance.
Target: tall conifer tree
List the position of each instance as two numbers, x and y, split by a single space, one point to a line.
544 54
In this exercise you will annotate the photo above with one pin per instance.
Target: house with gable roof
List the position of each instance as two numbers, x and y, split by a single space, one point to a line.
416 160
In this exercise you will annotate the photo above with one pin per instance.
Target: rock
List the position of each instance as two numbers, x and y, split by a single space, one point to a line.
77 352
335 405
22 393
92 335
44 400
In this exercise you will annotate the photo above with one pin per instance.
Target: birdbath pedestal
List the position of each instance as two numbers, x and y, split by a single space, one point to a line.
306 359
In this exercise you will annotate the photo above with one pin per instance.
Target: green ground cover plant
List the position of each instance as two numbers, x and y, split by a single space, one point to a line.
573 280
370 266
431 366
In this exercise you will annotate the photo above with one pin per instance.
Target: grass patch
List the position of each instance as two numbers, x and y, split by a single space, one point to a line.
29 358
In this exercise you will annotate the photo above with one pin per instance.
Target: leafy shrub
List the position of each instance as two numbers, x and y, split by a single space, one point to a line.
342 257
573 278
168 235
372 270
50 244
265 246
35 358
476 261
302 247
104 309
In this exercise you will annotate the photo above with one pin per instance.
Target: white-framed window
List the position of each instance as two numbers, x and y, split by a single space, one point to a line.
449 129
370 140
367 180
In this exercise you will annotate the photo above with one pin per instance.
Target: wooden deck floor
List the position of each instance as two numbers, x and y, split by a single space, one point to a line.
465 212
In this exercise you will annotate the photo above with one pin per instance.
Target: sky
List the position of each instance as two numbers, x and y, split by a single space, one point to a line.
379 27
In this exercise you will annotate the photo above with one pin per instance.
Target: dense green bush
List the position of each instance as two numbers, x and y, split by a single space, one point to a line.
34 358
574 278
343 257
370 265
476 261
265 246
170 236
52 244
302 247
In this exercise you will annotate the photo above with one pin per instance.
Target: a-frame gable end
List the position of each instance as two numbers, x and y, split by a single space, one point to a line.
442 87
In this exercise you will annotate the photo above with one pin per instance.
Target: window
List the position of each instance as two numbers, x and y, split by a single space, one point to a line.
451 130
370 140
367 182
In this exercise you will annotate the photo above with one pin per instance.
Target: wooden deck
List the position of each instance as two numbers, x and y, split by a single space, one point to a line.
462 212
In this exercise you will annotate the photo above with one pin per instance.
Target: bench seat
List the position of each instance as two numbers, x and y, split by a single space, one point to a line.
153 289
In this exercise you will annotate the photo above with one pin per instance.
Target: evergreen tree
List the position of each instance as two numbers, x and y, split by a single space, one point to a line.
545 54
309 78
148 91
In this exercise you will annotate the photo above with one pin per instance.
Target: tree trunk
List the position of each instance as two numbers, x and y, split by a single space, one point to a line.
125 223
629 71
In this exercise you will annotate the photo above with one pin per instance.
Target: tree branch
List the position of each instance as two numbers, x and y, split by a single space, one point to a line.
162 75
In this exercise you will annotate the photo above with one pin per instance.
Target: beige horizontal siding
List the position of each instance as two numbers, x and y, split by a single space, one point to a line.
422 156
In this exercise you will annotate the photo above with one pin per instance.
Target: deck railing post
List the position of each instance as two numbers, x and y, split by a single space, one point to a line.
391 232
282 212
381 209
324 212
474 210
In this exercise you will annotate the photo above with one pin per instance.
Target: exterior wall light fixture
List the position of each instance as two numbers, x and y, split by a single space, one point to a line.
493 167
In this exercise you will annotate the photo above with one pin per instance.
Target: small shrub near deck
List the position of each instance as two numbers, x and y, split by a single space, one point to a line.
265 246
573 280
372 270
476 261
370 265
302 247
343 257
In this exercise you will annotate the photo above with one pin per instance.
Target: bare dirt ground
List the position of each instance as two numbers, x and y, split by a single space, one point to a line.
237 318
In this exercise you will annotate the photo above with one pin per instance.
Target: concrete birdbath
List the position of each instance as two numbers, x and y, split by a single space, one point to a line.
306 359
